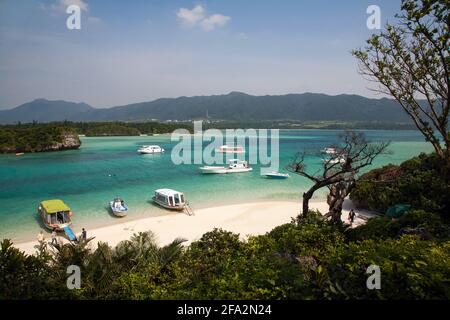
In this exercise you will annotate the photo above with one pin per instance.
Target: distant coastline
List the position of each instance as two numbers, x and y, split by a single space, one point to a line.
60 136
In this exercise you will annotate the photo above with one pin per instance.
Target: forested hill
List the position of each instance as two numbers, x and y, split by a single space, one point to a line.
232 106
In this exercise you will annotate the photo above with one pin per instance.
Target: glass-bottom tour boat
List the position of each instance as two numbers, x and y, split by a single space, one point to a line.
170 199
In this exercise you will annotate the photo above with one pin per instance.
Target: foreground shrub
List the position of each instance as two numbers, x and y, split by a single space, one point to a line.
428 224
422 182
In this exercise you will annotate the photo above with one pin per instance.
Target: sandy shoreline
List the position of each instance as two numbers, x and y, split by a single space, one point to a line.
246 219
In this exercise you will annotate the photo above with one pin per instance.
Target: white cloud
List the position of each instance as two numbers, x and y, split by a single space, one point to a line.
196 16
191 17
213 21
61 5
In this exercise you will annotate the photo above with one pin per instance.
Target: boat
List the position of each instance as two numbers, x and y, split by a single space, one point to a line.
169 199
234 166
329 150
118 207
230 149
150 149
338 160
276 175
19 154
55 214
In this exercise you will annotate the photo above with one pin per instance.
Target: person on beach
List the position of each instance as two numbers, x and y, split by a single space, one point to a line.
83 235
54 237
351 216
41 238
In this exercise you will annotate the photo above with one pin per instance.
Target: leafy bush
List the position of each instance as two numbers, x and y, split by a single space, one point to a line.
384 227
307 259
410 269
422 182
33 138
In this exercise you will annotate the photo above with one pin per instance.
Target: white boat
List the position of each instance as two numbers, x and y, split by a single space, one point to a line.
170 199
234 166
329 150
230 149
118 207
150 149
276 175
340 160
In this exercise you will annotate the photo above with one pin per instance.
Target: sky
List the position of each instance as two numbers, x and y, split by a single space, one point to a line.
141 50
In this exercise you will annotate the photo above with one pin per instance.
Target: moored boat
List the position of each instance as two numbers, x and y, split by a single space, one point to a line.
169 199
337 160
150 149
234 166
276 175
329 150
118 207
55 214
230 149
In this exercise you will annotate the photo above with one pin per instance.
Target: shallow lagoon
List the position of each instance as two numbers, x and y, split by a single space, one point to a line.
102 168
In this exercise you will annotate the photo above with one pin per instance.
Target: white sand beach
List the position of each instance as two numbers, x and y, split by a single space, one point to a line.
245 219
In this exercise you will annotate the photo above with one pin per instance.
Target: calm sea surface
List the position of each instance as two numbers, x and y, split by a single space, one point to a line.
86 179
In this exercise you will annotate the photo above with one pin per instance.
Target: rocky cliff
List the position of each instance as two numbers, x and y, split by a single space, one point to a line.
68 141
36 138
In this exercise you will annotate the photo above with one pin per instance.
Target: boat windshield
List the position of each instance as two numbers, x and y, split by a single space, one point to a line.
60 217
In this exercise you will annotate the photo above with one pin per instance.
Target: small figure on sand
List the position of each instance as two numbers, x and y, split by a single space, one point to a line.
54 237
351 216
83 234
41 238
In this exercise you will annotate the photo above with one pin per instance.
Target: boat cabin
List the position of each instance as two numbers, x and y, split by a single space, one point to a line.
170 199
329 150
55 214
236 163
151 149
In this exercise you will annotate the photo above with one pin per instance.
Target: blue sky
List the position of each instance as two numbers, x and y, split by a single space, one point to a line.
132 51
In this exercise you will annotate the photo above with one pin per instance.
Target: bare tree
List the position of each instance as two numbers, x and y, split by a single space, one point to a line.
411 62
339 170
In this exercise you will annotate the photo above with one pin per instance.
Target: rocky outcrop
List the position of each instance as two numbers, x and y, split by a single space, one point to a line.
46 140
69 141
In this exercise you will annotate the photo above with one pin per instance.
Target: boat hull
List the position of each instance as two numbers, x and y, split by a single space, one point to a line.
118 213
166 206
276 177
223 170
150 152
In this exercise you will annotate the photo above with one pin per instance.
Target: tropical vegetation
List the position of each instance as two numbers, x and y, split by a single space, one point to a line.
309 258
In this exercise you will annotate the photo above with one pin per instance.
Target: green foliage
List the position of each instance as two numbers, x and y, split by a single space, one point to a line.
32 138
310 258
37 137
310 236
422 182
112 130
429 224
28 277
410 269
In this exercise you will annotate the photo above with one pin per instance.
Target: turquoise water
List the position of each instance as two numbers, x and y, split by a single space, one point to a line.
102 168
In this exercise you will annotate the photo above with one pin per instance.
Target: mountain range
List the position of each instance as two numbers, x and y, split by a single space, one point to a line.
235 106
